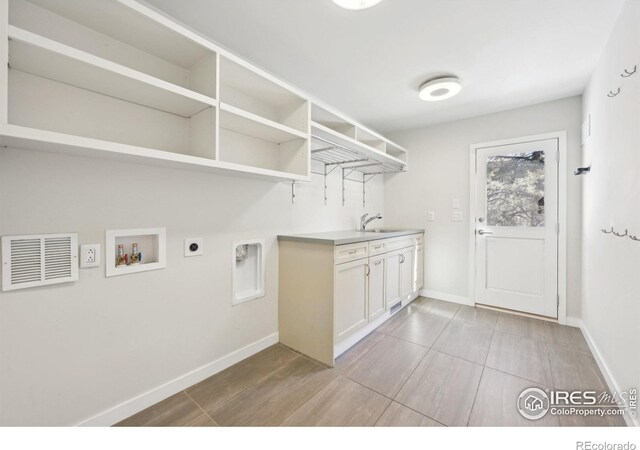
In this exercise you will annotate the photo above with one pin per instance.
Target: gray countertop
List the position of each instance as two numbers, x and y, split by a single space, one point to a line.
346 236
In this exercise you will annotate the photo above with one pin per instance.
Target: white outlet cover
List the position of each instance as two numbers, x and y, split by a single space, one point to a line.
456 216
455 203
187 246
431 216
89 256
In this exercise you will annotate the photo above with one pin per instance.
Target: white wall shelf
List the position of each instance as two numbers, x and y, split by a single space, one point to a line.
235 119
48 59
119 80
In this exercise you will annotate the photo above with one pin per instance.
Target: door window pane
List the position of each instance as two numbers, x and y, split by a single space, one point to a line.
515 190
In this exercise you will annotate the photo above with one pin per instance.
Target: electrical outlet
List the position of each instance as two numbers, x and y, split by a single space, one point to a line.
193 247
431 216
89 255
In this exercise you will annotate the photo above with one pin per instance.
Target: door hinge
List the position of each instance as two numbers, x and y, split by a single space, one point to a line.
558 300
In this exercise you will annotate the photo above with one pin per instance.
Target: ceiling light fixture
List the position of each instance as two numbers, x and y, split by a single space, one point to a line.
356 4
439 89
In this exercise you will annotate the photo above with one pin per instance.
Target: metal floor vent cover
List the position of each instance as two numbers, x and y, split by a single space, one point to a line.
396 307
39 260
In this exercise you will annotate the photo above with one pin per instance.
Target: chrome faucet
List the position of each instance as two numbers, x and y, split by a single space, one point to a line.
364 221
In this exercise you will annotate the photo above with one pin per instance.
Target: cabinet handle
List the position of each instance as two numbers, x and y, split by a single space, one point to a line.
377 247
353 252
402 256
368 269
377 263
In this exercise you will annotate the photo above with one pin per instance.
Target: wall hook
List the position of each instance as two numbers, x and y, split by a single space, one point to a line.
620 234
582 170
607 232
634 238
627 74
613 94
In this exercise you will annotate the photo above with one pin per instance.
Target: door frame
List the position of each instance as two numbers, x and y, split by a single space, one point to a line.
561 137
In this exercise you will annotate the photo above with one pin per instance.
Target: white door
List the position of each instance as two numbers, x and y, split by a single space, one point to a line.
419 268
350 297
407 276
392 278
376 286
516 227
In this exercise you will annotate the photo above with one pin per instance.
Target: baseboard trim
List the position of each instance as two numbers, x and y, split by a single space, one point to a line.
128 408
604 368
446 297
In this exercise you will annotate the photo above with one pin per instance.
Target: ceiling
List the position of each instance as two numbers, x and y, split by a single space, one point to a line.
369 64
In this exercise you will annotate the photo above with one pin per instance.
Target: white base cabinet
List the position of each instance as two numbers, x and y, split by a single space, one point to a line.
332 296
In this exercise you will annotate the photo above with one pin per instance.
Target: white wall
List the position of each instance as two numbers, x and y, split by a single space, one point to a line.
69 352
611 265
439 172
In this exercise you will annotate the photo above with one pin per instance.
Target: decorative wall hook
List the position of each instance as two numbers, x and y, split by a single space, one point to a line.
634 238
613 94
582 170
620 234
607 232
627 74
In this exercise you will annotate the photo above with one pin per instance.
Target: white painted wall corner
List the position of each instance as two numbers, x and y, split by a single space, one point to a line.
604 368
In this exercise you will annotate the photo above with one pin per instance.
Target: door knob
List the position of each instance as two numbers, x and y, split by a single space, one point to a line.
481 232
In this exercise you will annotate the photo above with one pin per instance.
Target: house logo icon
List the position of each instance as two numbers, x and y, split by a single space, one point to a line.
533 403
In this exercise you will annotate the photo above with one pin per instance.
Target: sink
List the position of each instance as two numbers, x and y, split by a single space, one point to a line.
383 230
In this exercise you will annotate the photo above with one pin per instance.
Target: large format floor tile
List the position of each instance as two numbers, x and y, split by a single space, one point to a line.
442 387
341 403
357 351
420 328
465 340
441 363
567 337
523 326
520 356
495 404
574 370
386 367
177 410
221 387
274 398
398 318
397 415
478 316
445 310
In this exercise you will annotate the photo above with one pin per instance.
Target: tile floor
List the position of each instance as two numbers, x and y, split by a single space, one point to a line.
433 364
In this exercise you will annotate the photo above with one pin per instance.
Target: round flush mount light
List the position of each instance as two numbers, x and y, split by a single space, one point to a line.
439 89
356 4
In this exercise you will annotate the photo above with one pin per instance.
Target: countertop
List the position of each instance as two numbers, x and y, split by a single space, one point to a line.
346 236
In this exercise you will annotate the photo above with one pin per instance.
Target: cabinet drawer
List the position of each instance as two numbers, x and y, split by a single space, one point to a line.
418 239
377 247
351 252
398 243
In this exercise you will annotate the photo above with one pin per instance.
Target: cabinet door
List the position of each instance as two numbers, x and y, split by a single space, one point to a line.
376 286
419 267
392 278
407 277
350 297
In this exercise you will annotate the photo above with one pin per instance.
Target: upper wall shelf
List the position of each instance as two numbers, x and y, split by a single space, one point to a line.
117 79
48 59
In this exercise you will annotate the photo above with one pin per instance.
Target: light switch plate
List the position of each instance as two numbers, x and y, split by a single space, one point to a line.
455 203
89 256
193 246
431 216
456 216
